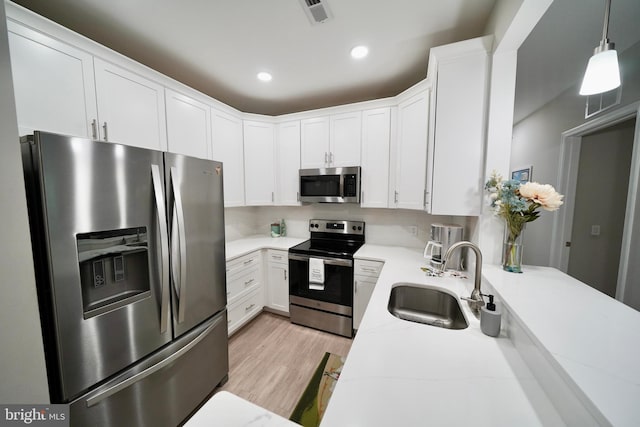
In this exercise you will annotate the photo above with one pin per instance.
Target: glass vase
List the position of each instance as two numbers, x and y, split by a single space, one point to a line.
512 251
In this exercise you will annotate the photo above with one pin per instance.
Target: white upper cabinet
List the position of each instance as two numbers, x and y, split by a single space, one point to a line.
287 163
188 125
53 84
345 138
130 107
460 73
376 133
259 161
410 154
314 144
228 148
330 142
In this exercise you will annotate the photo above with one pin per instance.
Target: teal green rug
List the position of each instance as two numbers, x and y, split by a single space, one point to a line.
313 402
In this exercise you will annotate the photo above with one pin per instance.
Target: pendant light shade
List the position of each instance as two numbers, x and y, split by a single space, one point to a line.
603 72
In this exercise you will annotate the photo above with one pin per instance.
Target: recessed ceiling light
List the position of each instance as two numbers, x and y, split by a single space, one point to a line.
359 52
264 76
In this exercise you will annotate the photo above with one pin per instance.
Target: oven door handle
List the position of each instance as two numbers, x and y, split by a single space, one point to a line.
325 260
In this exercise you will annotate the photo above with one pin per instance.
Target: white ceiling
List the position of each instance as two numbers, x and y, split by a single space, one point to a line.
218 46
554 56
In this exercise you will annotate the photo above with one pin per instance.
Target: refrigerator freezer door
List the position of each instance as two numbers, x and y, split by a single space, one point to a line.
195 205
163 389
96 228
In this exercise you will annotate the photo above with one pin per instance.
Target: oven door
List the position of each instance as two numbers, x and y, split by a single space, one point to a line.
338 281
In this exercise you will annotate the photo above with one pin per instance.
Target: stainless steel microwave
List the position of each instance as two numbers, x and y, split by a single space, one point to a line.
330 185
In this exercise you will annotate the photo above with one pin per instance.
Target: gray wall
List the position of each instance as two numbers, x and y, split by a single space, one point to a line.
537 138
601 198
22 370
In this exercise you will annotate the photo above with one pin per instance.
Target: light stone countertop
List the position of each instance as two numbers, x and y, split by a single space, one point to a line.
247 245
404 373
592 340
225 409
409 374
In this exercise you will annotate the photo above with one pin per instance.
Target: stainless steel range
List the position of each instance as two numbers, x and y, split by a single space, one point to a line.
321 276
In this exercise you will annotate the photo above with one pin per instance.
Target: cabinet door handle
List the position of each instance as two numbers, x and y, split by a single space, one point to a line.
326 158
298 196
94 129
249 307
285 274
330 158
276 256
273 197
104 128
395 197
247 283
248 262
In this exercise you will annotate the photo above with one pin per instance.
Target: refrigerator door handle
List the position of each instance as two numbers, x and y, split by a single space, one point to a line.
92 401
179 213
158 192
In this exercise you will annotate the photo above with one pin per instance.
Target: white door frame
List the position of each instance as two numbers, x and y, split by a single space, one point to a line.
567 179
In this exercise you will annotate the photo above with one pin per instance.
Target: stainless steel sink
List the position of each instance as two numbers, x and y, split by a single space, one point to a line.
426 305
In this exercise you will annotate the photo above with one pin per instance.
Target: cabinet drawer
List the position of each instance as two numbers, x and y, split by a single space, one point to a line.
274 255
242 283
237 264
244 310
367 268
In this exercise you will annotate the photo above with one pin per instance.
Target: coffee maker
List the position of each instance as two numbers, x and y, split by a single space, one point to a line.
441 237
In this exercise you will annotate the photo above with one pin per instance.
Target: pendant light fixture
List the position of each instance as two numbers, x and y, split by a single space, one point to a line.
603 73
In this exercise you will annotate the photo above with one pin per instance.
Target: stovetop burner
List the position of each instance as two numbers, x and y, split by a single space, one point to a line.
332 238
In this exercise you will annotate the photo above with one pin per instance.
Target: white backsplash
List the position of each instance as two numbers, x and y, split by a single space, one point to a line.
383 226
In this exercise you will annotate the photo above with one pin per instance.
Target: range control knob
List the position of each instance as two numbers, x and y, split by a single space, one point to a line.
353 228
359 228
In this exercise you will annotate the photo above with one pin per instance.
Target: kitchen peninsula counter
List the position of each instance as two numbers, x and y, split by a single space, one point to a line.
561 342
567 354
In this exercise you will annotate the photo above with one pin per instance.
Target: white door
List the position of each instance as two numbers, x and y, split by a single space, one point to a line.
376 128
188 125
228 148
130 107
278 287
345 138
259 160
362 291
53 84
459 136
287 163
314 145
411 153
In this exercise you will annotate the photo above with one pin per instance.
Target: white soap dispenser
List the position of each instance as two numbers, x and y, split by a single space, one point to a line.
490 319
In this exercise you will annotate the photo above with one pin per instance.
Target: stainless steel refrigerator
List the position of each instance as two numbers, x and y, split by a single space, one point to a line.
130 270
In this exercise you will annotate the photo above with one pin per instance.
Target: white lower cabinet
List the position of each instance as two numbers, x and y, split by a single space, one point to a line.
245 294
242 311
365 276
278 281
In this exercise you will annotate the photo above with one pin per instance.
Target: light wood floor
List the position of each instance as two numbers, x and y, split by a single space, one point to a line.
271 361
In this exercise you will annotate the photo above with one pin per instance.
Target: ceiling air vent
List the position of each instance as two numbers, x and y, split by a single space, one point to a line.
316 10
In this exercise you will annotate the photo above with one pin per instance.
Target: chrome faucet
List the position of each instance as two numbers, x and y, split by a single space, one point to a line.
475 300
